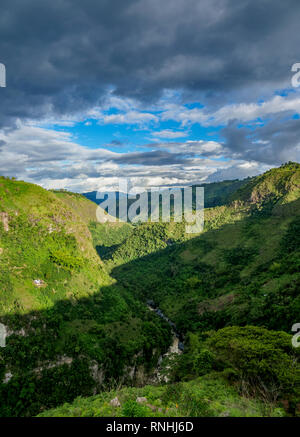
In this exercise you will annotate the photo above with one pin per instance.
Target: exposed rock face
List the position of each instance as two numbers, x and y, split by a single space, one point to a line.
141 400
20 332
50 365
176 347
115 402
98 375
3 335
7 377
4 218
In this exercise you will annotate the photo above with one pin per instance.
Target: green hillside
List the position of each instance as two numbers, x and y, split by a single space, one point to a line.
83 207
232 294
220 193
43 239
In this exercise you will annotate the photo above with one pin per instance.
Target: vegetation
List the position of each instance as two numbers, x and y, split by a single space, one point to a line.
85 328
206 396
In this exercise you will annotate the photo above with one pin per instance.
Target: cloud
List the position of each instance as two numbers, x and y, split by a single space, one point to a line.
275 142
192 147
169 134
243 112
240 170
54 160
139 64
247 112
61 57
28 149
131 117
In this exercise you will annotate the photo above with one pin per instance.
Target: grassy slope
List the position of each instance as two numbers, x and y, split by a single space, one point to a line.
42 229
83 207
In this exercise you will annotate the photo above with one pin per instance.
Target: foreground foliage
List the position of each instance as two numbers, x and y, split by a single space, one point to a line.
207 396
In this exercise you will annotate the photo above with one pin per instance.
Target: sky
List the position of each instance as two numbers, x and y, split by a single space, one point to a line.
165 93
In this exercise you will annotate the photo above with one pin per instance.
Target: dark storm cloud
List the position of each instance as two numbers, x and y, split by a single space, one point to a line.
61 55
156 157
276 142
115 143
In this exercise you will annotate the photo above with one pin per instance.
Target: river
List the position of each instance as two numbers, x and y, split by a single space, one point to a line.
177 346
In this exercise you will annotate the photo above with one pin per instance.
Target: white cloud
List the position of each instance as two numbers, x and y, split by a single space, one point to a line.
242 112
131 117
54 160
197 147
252 111
237 170
131 112
169 134
212 147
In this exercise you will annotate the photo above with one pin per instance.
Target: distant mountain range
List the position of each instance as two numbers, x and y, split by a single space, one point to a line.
216 194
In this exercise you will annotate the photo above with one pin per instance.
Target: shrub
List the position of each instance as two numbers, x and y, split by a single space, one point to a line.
132 409
203 362
63 258
194 405
265 361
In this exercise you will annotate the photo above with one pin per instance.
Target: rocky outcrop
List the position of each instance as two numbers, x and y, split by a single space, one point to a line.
50 365
115 402
4 218
3 335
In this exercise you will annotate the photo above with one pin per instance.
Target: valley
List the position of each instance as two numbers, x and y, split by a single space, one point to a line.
222 303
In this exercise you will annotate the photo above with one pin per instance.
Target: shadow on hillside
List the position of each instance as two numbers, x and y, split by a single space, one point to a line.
106 252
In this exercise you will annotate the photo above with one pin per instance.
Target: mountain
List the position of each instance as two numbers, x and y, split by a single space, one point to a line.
216 193
230 294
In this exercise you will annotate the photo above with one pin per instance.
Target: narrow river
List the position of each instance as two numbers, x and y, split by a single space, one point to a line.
177 345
